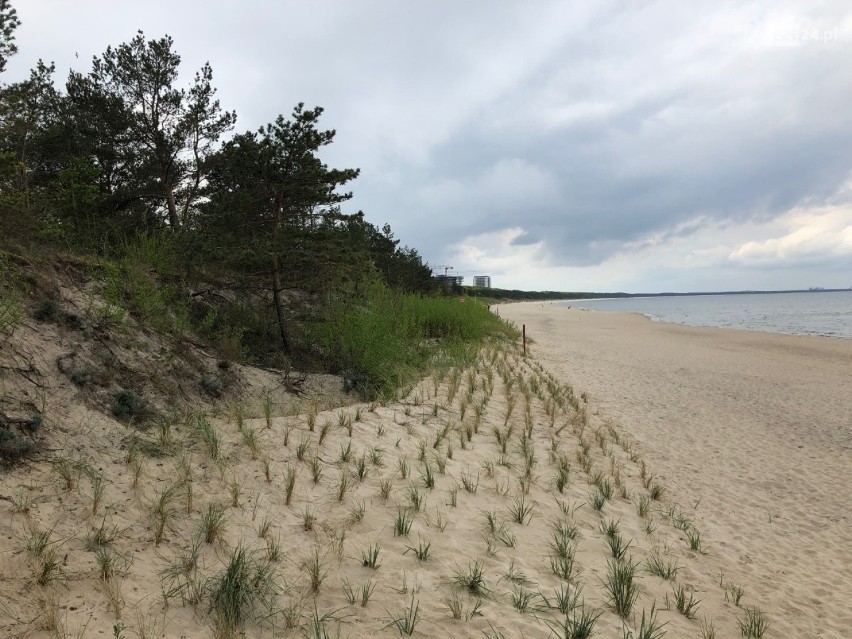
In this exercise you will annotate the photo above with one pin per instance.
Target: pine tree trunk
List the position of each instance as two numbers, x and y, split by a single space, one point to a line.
174 220
279 305
276 278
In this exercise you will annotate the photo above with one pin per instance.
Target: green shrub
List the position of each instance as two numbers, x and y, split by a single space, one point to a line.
80 376
13 447
211 384
128 405
10 296
147 282
242 330
48 310
34 423
371 349
385 339
453 319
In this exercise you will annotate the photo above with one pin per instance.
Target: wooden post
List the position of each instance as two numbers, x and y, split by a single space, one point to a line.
525 339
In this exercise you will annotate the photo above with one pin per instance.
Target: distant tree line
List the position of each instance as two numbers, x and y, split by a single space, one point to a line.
121 161
514 294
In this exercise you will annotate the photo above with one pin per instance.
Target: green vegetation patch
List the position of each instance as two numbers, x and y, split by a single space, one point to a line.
13 447
10 296
387 339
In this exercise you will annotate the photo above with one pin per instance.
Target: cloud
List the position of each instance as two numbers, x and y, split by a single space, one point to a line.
508 186
658 122
816 236
804 247
495 251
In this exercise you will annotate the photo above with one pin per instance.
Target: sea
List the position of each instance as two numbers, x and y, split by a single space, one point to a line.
827 313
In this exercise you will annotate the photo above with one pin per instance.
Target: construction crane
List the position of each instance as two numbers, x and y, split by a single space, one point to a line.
446 268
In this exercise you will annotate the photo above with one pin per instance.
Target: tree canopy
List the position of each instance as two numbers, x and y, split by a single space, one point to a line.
164 132
126 162
8 23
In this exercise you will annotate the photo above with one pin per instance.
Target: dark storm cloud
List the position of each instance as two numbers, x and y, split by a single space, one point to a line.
747 140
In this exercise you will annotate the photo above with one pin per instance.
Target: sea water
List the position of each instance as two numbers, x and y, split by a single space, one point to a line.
826 313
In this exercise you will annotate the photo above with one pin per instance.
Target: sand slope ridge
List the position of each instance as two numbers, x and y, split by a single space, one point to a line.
491 501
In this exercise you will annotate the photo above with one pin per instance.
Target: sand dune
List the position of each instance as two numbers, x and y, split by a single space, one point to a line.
752 429
489 501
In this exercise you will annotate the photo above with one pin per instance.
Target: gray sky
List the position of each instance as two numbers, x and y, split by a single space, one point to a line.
622 146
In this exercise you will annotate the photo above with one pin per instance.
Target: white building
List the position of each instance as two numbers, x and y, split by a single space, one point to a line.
483 281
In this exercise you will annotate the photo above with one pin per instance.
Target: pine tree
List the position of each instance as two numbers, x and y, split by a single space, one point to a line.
271 195
161 133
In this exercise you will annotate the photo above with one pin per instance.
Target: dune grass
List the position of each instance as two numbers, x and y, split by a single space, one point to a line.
242 586
650 627
386 340
754 624
665 569
686 603
472 579
406 622
579 624
620 585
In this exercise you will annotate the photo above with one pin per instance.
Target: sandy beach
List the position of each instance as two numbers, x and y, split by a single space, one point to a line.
750 431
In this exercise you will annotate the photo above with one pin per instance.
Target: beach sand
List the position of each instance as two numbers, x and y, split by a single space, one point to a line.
750 432
499 469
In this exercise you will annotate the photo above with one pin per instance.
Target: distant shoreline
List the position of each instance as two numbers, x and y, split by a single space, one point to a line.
695 294
516 295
